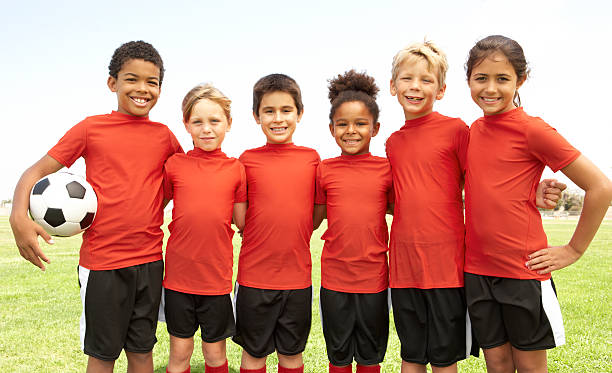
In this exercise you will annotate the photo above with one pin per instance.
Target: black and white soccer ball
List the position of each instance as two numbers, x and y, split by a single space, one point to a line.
64 204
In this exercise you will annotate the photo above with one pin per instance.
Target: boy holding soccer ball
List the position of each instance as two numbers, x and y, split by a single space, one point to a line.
120 266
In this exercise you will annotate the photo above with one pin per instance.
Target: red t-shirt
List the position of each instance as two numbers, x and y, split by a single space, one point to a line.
356 190
204 186
427 157
506 157
124 157
275 251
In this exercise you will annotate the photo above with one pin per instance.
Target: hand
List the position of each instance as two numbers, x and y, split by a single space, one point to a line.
26 234
552 258
548 193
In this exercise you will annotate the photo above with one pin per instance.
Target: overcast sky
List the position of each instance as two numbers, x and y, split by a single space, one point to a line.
55 56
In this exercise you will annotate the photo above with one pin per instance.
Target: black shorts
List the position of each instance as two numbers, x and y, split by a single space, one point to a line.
355 325
432 325
525 313
120 309
268 320
214 314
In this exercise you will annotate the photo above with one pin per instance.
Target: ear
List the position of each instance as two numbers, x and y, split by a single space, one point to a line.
520 82
186 124
112 83
299 118
256 118
441 92
331 129
229 124
375 129
392 87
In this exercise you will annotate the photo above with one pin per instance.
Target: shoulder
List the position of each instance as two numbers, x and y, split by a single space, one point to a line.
456 123
307 150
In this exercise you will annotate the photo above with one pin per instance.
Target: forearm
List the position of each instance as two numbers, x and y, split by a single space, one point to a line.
596 203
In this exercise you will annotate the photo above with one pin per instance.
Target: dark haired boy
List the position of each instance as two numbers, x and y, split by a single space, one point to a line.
274 288
120 265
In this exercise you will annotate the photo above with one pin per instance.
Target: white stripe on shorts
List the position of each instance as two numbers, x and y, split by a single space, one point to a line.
234 299
83 277
468 334
550 303
161 313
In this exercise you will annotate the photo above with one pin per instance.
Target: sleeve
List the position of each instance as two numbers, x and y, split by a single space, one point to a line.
240 195
463 138
547 145
320 194
71 146
167 184
175 146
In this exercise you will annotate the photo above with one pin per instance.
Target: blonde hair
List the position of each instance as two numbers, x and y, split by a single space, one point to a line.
205 91
435 57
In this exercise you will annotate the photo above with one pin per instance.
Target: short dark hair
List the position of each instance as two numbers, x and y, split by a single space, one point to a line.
135 50
274 83
353 86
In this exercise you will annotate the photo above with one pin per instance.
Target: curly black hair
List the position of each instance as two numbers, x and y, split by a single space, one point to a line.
353 86
135 50
273 83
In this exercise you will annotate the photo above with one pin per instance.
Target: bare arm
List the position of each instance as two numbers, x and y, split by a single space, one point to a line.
548 193
239 215
25 230
598 193
318 214
390 208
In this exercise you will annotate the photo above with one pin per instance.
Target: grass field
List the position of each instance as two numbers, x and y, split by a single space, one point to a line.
39 314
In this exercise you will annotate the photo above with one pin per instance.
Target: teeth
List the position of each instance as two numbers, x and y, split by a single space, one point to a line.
278 129
485 99
139 100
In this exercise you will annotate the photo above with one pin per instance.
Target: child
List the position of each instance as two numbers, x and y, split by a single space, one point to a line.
426 250
207 188
122 251
354 189
274 288
510 294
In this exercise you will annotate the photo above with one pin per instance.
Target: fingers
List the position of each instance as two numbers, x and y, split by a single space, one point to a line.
33 256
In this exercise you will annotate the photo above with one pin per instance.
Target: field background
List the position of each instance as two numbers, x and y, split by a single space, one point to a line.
39 312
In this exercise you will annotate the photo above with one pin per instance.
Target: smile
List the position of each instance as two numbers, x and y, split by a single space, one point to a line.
278 129
351 141
490 99
141 101
414 99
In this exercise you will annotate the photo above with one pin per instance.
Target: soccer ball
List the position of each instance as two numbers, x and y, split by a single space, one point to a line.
64 204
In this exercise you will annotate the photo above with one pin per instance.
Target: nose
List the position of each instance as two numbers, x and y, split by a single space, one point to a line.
277 116
351 128
491 87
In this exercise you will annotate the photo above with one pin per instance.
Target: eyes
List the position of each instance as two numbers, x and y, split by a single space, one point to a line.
358 124
134 80
427 80
484 78
285 109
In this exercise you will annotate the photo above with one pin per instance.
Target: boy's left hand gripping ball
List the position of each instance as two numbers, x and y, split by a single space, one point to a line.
64 204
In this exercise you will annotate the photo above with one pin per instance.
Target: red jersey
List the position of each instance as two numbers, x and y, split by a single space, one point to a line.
124 157
427 157
506 157
204 186
275 251
356 190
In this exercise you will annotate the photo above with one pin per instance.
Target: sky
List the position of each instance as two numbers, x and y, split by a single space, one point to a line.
55 59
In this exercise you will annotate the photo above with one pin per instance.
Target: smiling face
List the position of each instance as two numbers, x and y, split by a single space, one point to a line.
416 88
137 87
278 117
207 125
353 127
493 83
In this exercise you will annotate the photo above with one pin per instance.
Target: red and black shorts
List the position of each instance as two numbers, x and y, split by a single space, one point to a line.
120 309
213 314
525 313
269 320
432 325
355 326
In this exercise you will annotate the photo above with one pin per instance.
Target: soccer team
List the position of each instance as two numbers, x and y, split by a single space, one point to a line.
447 278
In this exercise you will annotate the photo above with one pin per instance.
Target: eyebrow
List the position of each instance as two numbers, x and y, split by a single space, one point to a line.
136 75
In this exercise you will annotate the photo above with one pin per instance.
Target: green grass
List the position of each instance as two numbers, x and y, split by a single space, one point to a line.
39 314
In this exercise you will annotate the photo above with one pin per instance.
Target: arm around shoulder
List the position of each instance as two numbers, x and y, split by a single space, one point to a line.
598 193
25 230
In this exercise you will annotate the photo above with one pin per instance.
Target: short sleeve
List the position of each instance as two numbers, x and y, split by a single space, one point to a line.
167 184
241 190
175 146
320 194
463 138
71 146
547 145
